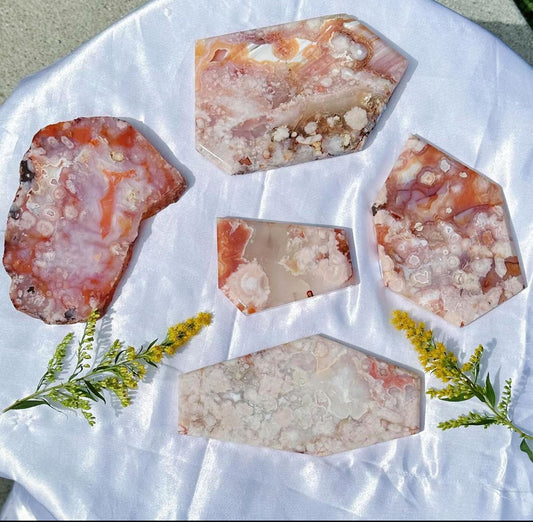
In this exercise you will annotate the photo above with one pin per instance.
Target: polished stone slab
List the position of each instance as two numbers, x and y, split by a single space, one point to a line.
262 264
444 235
291 93
314 395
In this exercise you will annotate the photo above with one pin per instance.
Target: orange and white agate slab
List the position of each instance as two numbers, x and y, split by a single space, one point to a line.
291 93
85 187
314 395
444 236
262 264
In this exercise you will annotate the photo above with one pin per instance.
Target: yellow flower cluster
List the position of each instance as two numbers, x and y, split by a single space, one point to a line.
55 365
433 356
155 353
474 360
451 392
462 381
179 334
119 388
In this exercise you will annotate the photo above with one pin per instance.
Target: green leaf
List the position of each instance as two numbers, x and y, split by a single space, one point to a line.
28 404
143 349
44 380
103 367
485 421
458 398
475 370
84 392
479 394
489 391
526 449
118 355
93 390
75 373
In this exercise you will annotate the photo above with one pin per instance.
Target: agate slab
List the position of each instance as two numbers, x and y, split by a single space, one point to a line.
444 235
314 395
262 264
291 93
85 186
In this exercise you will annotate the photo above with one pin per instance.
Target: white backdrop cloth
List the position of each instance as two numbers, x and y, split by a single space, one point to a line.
464 91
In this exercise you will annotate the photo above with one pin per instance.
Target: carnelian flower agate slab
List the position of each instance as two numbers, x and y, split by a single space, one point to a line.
314 395
444 237
291 93
262 264
85 187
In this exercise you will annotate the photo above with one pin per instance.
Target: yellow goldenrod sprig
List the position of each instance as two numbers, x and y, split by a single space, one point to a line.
118 371
462 380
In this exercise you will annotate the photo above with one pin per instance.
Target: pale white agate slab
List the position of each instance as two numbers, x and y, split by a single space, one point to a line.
314 395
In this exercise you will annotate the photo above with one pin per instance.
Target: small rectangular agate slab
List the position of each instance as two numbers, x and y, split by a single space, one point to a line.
291 93
262 264
314 395
444 236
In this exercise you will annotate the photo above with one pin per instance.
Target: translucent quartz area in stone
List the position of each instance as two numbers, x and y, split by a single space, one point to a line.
313 395
262 264
444 237
291 93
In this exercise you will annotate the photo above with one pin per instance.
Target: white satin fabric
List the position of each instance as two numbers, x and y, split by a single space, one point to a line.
464 91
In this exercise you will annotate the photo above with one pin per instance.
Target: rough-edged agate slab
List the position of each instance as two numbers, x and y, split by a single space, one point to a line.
262 264
85 187
314 395
444 235
291 93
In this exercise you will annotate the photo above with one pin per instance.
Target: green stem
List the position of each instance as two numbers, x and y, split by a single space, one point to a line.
34 395
478 391
42 393
505 420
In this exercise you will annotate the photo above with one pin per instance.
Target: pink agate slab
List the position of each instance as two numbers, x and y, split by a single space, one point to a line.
313 395
291 93
444 236
262 264
85 187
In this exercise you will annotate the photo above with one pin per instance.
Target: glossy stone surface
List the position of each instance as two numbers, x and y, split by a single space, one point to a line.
291 93
262 264
85 187
444 235
314 395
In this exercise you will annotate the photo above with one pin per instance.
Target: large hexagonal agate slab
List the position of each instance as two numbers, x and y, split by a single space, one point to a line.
291 93
444 235
263 264
314 395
